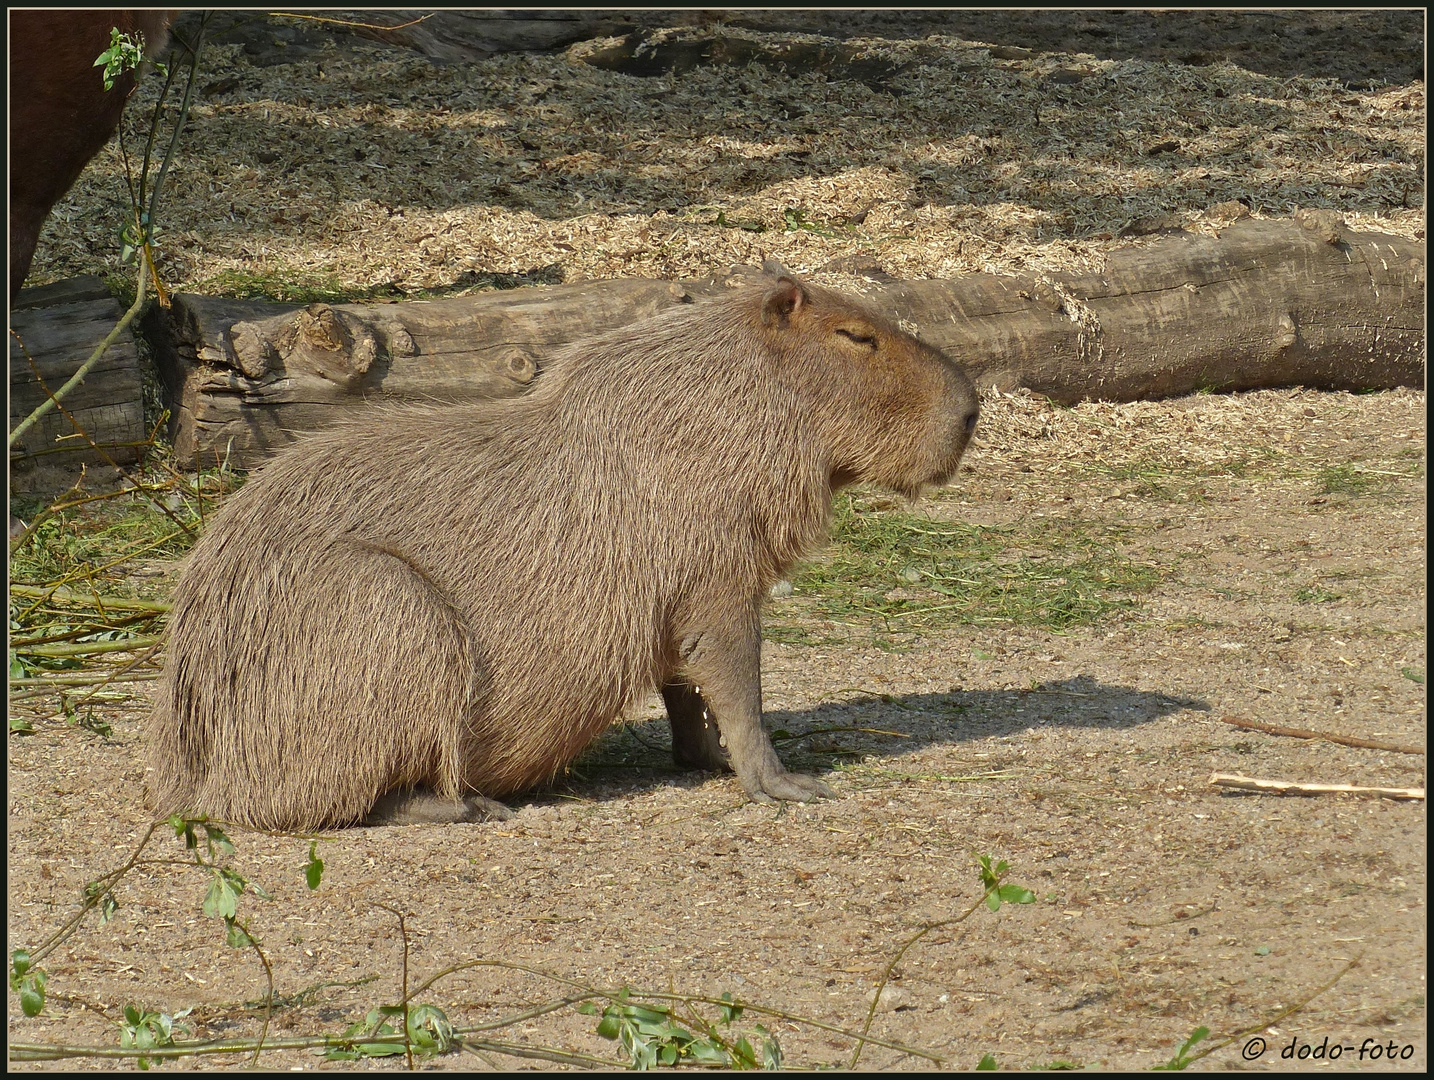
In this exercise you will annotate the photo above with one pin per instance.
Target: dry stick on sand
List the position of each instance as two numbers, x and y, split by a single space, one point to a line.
1302 733
1291 787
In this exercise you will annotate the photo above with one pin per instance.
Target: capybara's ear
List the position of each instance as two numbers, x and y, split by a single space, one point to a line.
786 298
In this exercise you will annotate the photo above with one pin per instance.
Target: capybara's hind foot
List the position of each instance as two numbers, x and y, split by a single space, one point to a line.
418 807
483 809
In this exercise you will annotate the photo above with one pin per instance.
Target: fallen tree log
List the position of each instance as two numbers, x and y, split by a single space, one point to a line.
245 378
1302 302
53 330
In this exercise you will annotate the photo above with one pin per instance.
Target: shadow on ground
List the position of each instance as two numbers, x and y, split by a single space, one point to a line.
638 756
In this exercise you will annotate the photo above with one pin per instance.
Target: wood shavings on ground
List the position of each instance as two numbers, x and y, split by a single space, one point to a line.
371 170
1202 434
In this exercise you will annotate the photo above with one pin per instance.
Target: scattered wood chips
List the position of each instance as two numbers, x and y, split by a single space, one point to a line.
372 168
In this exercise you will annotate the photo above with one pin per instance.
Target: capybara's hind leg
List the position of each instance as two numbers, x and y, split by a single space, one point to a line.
418 806
696 742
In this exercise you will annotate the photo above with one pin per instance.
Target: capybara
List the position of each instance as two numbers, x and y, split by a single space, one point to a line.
60 112
410 616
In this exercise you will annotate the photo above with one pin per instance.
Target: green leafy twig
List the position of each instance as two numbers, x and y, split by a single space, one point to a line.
587 991
125 53
993 895
652 1037
143 1031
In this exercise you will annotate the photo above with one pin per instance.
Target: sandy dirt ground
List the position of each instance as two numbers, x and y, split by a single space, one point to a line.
1271 547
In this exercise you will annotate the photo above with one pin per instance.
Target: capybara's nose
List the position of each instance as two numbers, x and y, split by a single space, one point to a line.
970 422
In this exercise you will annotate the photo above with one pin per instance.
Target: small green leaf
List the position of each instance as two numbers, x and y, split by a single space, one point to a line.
987 1063
237 937
222 899
993 900
1014 894
1263 950
428 1025
746 1056
19 725
587 1008
32 998
771 1054
19 964
184 827
608 1027
1414 675
708 1052
217 839
314 869
132 1015
1180 1060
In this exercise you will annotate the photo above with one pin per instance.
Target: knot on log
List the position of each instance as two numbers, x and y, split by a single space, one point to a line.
517 363
400 341
1286 334
254 354
1325 224
332 344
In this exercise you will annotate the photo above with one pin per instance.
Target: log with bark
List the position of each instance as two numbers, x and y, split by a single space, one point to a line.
53 330
1268 303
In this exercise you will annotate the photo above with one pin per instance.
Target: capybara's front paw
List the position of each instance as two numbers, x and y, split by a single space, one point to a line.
787 786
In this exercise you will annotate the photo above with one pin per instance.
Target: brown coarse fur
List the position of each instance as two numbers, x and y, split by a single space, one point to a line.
60 112
458 601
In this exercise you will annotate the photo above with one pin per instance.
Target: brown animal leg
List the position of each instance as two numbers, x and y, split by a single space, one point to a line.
725 660
420 806
696 742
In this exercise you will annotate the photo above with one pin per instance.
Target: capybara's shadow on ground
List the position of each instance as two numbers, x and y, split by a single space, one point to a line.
817 740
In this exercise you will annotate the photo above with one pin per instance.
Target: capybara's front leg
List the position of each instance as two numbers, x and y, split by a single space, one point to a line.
725 660
418 806
696 742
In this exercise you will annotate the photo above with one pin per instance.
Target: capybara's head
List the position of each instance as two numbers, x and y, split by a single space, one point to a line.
894 411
